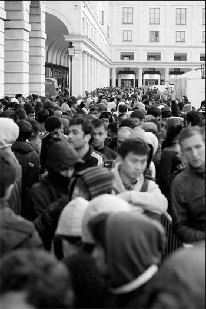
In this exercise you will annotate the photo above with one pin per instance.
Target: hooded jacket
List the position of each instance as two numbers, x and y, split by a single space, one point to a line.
16 232
133 257
180 282
9 132
152 200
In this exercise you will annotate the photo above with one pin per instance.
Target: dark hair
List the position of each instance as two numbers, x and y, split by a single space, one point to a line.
137 147
29 108
98 123
52 123
42 115
175 109
172 134
122 109
86 127
154 111
138 114
113 127
194 117
35 125
129 122
7 172
25 130
45 281
9 113
106 115
21 114
18 95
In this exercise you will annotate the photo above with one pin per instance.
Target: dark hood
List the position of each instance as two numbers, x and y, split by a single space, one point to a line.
22 146
133 243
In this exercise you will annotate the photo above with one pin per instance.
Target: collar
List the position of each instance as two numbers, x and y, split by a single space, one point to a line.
139 281
129 186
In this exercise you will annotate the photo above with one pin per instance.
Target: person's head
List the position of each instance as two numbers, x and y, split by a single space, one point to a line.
106 117
53 125
194 118
19 97
8 175
25 130
154 111
9 132
35 126
20 114
138 116
30 110
192 142
128 122
94 111
134 156
60 162
122 134
34 279
126 245
42 115
79 133
99 133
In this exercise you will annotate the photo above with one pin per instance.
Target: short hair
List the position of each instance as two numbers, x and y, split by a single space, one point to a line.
52 123
21 113
138 114
18 95
191 131
154 111
25 130
122 109
29 108
35 125
86 126
128 122
194 117
45 281
106 115
7 172
42 115
98 123
138 147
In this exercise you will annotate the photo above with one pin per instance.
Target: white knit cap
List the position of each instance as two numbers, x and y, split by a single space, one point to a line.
70 220
151 139
105 203
9 132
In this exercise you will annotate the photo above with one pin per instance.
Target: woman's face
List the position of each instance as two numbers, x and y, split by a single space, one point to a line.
80 190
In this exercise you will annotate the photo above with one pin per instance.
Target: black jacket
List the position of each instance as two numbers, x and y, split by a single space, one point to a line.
91 158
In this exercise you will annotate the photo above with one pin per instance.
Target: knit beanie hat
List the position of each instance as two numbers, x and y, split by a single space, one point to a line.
61 155
9 132
106 203
98 180
137 133
70 220
149 127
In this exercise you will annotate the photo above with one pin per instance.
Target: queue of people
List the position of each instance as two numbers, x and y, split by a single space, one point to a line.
102 201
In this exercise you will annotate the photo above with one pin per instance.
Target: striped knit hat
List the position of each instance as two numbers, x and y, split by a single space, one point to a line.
98 180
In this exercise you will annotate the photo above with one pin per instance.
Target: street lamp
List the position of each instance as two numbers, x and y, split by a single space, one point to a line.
71 51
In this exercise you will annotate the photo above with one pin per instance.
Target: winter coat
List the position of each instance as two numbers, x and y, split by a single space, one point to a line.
152 200
91 158
188 205
134 244
16 232
107 152
180 282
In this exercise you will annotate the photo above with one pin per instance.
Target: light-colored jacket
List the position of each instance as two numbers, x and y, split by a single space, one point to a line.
152 200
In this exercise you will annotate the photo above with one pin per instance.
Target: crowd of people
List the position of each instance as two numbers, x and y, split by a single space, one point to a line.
102 201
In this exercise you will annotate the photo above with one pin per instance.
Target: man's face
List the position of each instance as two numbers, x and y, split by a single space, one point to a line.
99 135
106 122
56 133
76 136
137 122
193 149
134 165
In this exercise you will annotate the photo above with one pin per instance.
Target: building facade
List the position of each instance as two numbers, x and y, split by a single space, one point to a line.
116 43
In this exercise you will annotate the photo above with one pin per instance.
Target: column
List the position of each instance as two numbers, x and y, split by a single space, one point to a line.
37 38
88 73
84 78
113 77
16 50
2 16
77 73
167 76
140 77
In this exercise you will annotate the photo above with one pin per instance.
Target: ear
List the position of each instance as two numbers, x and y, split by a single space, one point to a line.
87 137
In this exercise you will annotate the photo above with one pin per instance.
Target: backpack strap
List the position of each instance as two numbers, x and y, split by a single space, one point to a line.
145 185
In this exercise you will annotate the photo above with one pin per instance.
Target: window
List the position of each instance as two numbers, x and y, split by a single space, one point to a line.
153 56
176 69
202 57
154 16
127 16
181 16
154 36
180 36
180 57
102 19
127 56
203 16
203 36
127 35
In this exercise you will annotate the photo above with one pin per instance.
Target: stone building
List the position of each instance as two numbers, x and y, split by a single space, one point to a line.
116 43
